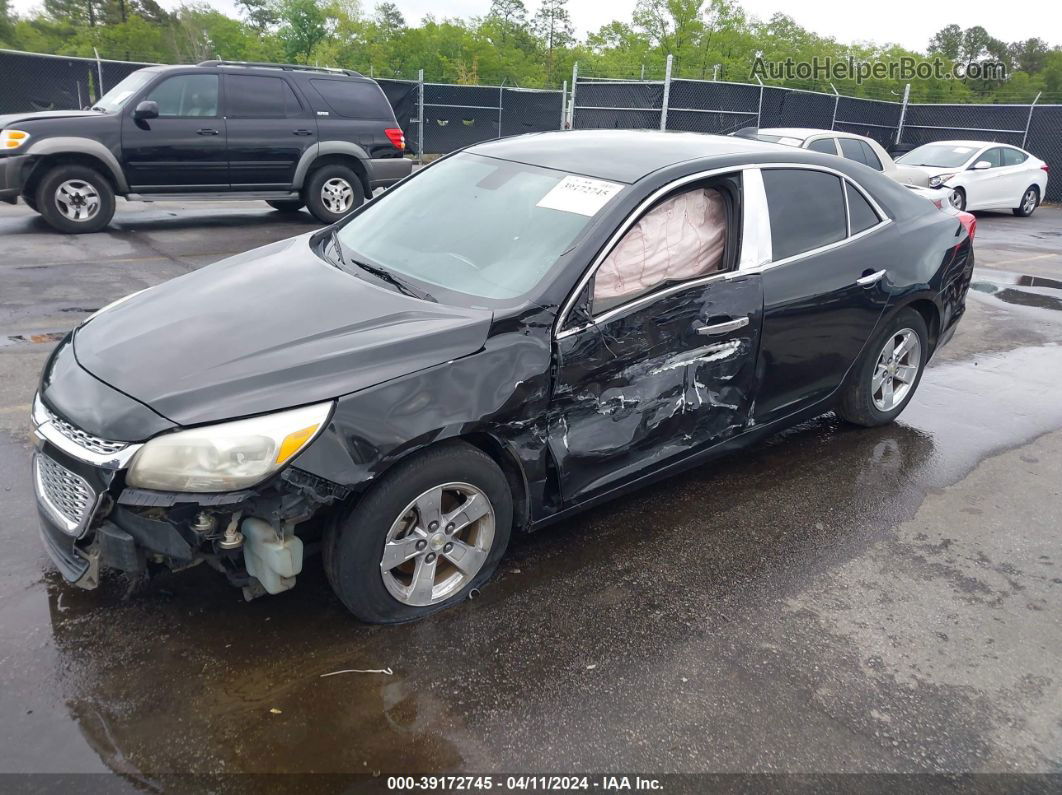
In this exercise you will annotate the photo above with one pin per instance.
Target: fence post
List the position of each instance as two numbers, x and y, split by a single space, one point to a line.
903 111
564 105
571 102
1028 121
667 93
99 72
759 105
501 101
836 99
420 116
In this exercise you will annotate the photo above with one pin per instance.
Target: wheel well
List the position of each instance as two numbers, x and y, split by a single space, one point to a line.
48 162
353 163
931 315
508 464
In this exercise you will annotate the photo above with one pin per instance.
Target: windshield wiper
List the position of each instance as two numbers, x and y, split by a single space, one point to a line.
381 274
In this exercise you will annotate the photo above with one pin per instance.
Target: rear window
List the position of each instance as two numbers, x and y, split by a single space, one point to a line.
871 157
806 208
825 145
354 99
861 215
1012 157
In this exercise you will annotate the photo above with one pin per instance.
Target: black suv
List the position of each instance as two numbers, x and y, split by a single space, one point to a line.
293 136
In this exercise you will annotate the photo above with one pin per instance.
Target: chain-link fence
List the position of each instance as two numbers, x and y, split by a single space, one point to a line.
56 82
707 106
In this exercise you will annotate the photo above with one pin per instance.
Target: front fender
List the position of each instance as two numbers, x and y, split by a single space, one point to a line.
65 145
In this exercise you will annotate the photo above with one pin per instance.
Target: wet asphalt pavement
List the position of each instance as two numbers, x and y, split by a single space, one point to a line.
833 600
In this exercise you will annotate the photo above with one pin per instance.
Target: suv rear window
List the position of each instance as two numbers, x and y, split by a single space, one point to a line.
254 97
354 99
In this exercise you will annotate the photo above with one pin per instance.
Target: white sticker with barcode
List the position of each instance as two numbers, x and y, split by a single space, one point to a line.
581 195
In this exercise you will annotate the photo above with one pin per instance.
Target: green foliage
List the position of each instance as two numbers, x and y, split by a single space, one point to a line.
521 43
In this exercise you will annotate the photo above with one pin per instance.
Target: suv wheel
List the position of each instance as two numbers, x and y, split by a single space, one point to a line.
331 192
289 206
75 199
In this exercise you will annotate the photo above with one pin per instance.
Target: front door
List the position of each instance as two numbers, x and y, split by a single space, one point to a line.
183 150
824 290
658 359
268 131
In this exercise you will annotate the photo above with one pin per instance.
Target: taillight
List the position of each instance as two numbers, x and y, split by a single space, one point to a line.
970 222
397 138
1045 168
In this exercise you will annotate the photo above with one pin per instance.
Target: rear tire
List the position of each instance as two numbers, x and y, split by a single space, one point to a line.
75 199
287 206
379 590
332 192
879 388
1030 200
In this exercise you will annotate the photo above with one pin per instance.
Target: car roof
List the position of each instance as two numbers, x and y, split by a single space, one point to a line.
618 155
972 144
795 132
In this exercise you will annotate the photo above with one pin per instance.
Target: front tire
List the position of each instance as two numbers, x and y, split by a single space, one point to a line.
75 199
332 192
1030 200
433 528
958 199
885 379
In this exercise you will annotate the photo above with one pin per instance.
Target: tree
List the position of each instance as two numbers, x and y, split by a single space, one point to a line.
388 19
947 42
303 25
553 25
1030 55
511 13
7 27
261 14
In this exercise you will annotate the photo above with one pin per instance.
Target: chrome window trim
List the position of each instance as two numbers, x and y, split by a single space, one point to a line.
756 253
43 428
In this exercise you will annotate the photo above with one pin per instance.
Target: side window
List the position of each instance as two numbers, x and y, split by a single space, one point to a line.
806 208
1013 157
354 99
870 157
253 97
993 156
186 95
861 215
823 145
853 150
681 238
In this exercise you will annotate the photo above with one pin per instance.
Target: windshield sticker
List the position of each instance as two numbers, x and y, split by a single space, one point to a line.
580 195
962 150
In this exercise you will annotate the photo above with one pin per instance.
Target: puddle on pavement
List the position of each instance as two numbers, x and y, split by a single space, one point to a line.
185 676
1019 288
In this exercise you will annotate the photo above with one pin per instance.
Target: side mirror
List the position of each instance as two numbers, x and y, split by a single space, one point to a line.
981 165
148 109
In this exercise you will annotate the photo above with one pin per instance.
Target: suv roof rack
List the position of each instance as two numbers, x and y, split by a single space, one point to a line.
288 67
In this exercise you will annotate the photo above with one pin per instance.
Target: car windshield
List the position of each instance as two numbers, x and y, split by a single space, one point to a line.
115 98
477 226
938 155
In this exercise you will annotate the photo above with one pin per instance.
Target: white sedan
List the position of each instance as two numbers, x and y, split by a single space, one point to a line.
982 176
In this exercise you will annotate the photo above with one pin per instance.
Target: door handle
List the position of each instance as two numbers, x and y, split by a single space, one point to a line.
206 131
302 132
870 279
722 328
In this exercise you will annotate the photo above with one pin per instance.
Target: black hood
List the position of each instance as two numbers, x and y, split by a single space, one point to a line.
12 119
266 330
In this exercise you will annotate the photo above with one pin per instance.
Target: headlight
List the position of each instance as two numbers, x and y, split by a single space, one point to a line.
229 456
939 179
13 139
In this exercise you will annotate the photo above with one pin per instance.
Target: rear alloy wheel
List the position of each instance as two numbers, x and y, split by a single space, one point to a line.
287 206
887 376
1030 200
75 199
433 528
331 192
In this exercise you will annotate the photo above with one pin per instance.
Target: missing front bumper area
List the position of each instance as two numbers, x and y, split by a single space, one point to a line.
254 537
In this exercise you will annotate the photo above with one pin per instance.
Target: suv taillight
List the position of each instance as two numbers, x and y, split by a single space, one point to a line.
397 138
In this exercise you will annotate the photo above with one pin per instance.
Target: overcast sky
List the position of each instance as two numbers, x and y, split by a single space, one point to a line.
910 23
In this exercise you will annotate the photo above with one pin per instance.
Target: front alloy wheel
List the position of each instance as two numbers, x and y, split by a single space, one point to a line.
438 545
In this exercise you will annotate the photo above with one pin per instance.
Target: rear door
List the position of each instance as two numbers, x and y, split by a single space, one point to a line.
824 288
987 186
269 129
1017 175
183 150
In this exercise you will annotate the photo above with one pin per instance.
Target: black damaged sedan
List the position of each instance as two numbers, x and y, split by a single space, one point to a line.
517 332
